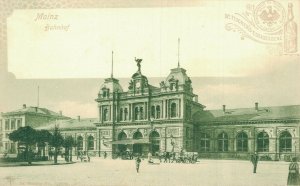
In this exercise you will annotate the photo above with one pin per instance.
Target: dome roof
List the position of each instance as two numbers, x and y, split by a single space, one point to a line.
177 74
112 84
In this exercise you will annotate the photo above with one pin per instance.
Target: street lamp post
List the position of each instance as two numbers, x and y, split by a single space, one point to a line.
295 143
172 142
151 125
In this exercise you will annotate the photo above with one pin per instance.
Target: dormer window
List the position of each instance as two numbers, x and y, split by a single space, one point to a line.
105 93
173 83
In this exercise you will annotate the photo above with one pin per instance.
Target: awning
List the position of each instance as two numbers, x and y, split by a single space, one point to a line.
130 141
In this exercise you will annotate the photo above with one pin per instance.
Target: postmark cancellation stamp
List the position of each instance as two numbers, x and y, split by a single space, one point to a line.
270 23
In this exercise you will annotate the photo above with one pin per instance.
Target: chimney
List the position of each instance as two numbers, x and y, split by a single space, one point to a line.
24 106
224 108
256 106
60 113
78 117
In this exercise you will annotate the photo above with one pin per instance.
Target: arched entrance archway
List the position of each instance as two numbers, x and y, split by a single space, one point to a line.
154 139
137 148
122 147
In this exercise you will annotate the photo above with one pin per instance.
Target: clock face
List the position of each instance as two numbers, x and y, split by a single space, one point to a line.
138 84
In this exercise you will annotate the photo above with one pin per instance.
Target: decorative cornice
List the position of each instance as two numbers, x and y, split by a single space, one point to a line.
269 121
98 124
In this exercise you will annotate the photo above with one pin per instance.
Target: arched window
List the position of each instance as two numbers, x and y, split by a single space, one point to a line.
79 143
122 136
152 111
141 113
204 142
121 114
125 114
285 142
137 135
242 142
173 110
263 142
223 142
157 112
90 143
105 114
136 113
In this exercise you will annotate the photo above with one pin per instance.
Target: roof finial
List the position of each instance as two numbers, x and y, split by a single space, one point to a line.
38 96
178 65
112 64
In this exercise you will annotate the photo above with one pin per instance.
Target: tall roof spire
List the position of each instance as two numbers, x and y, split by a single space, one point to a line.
38 96
112 64
178 65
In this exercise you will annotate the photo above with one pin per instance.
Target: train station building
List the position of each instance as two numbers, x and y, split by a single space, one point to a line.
168 117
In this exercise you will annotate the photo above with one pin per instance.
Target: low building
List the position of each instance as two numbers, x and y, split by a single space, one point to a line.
26 116
83 131
236 133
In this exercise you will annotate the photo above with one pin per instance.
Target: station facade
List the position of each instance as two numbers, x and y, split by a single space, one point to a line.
147 118
168 117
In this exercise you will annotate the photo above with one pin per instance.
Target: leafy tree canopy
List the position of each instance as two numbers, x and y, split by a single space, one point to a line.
25 135
56 138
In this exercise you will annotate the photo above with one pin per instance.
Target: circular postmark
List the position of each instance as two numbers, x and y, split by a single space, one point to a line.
269 16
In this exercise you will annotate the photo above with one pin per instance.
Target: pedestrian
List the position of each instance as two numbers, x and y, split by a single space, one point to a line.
88 157
137 163
131 155
78 154
293 177
50 155
105 154
150 158
168 155
254 160
160 156
165 157
173 157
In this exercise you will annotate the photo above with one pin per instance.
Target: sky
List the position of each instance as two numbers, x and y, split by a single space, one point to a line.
81 42
83 48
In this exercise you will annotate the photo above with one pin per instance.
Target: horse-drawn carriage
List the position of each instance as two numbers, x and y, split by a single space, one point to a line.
186 157
179 157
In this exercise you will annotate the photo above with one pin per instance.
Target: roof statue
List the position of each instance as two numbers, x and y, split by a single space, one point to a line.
138 63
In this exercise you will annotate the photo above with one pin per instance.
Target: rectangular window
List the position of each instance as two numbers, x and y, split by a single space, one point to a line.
7 124
187 132
13 124
19 123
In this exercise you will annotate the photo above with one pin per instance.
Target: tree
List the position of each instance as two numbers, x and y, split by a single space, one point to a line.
56 141
42 137
27 136
69 143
